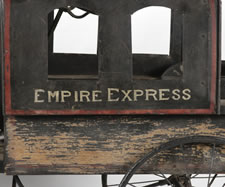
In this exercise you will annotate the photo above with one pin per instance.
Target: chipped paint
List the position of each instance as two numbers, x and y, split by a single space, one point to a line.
89 146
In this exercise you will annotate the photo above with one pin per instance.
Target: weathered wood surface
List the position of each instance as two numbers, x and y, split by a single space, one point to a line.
29 67
95 145
1 156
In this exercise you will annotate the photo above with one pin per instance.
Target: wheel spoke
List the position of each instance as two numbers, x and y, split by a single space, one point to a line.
211 165
165 178
208 177
131 185
180 145
213 179
17 181
142 182
172 179
194 176
159 175
104 180
111 185
159 183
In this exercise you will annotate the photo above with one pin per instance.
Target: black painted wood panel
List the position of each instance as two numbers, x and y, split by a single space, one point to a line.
1 156
31 88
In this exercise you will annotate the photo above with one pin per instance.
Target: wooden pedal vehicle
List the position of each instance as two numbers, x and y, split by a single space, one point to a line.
115 112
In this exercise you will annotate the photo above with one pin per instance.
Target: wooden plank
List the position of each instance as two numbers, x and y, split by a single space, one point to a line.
176 36
95 145
114 51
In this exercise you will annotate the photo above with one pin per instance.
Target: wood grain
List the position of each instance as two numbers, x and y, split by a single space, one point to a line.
96 145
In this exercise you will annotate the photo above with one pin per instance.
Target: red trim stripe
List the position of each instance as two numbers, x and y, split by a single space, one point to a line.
109 112
7 82
214 55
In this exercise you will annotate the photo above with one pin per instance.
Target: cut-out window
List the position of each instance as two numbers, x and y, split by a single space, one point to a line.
72 44
151 28
76 35
151 42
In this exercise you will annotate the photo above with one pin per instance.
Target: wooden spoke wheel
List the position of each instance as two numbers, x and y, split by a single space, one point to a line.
182 154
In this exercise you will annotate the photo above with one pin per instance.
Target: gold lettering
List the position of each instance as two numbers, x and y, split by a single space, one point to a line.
76 96
162 94
110 94
138 93
176 94
152 93
113 95
187 94
37 95
54 94
84 95
65 94
126 95
95 94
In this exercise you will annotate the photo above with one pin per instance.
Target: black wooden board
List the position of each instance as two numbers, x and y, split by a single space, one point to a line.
1 156
1 60
29 90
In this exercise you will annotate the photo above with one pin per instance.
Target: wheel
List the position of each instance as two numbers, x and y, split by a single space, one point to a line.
189 171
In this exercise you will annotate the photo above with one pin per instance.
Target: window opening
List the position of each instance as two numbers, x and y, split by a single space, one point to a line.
73 38
151 42
151 28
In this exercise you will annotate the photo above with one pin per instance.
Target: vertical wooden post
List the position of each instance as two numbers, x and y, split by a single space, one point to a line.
115 56
176 36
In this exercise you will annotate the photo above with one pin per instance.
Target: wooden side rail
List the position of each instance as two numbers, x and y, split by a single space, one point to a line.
96 145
